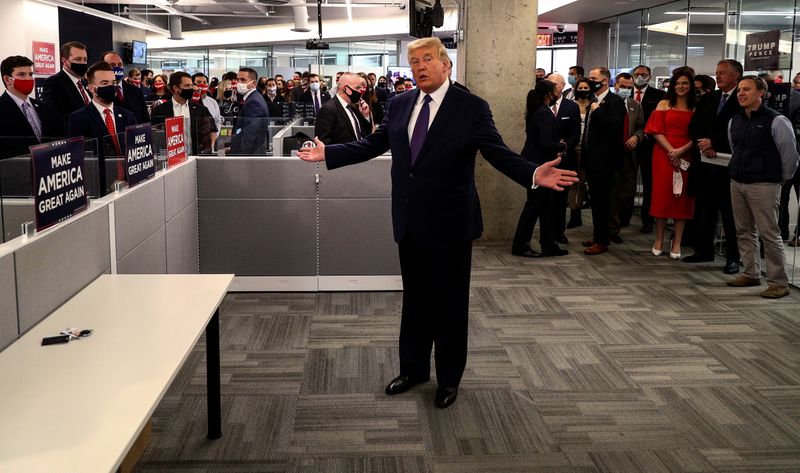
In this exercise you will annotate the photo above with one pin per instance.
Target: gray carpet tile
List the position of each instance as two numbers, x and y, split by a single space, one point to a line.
617 363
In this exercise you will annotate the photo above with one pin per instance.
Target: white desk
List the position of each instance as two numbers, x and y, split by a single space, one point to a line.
78 407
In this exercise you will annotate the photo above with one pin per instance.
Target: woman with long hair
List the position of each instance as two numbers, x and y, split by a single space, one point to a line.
669 126
228 106
541 145
578 192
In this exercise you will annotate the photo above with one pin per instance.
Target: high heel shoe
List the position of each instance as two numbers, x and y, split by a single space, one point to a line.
673 255
656 252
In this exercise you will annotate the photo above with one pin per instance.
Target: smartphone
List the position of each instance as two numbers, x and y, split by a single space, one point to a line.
55 340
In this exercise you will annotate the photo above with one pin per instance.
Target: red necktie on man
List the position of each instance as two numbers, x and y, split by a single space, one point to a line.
112 130
639 96
83 93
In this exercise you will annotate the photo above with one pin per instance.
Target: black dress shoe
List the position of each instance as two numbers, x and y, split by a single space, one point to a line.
555 252
527 253
445 397
731 267
402 384
697 258
615 238
562 239
575 222
646 228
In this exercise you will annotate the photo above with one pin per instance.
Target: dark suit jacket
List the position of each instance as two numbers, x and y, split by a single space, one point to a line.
435 201
602 149
16 134
201 123
62 98
133 101
88 122
541 136
306 97
649 103
568 126
274 106
332 125
705 123
251 129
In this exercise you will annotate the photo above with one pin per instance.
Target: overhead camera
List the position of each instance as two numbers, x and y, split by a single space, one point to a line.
560 28
317 44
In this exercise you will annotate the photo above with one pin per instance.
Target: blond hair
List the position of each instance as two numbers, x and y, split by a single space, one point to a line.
434 43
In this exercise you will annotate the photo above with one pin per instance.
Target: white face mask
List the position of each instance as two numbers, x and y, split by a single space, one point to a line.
241 88
640 81
314 86
624 94
272 90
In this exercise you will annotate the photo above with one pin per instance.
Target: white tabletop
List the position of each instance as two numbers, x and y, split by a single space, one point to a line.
78 407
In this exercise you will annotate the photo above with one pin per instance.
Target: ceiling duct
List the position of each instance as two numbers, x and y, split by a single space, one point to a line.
175 27
300 15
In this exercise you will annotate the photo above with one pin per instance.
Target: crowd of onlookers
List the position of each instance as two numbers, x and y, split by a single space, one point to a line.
703 147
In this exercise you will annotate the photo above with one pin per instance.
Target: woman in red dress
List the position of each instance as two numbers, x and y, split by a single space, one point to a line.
669 126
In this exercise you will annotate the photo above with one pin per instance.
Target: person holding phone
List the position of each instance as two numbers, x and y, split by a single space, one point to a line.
346 117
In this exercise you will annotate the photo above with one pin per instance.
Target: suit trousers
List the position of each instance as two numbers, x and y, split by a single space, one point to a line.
542 204
435 309
600 189
645 156
623 191
786 194
755 210
712 198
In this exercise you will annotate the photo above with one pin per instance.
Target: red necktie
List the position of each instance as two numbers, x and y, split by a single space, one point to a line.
83 93
639 96
119 93
112 131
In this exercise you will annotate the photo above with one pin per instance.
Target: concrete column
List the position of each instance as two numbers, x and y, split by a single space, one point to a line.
496 61
593 47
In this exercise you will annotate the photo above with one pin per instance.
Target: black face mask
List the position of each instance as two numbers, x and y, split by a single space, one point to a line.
79 68
381 85
595 85
187 94
583 94
353 95
107 93
227 94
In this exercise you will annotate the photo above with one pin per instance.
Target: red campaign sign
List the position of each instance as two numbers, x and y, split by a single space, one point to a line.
44 58
176 147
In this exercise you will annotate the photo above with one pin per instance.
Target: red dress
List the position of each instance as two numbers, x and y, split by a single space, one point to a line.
674 125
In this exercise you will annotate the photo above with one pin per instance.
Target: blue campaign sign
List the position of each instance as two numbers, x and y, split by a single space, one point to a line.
59 190
140 163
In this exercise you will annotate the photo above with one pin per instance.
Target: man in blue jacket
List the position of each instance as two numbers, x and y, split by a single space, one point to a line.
250 131
764 157
434 134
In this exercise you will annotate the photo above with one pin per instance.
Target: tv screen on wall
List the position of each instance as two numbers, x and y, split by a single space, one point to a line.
420 18
139 55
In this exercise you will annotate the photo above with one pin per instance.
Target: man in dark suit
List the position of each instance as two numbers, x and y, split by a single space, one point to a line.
601 153
128 97
434 135
568 128
65 92
314 94
103 121
251 129
344 118
710 183
202 127
648 97
24 121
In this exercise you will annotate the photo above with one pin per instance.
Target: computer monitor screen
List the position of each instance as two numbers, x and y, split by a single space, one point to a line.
139 52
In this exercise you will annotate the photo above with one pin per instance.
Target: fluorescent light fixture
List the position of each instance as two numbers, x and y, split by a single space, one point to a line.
104 15
349 10
699 13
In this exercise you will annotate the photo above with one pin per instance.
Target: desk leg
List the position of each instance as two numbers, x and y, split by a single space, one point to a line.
213 378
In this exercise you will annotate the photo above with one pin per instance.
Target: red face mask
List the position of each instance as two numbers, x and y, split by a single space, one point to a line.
159 87
136 82
25 86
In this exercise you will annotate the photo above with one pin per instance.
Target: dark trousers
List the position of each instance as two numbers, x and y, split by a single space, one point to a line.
623 193
540 205
713 196
435 310
561 205
645 157
600 188
786 193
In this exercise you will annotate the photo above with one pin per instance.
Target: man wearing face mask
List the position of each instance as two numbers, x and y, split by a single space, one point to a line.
103 121
65 92
298 92
250 131
575 74
314 95
24 121
200 82
623 190
128 96
346 117
601 154
382 91
203 128
274 99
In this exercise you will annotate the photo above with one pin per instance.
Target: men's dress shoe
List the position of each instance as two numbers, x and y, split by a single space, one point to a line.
744 281
555 252
445 397
402 384
615 238
775 292
794 242
697 258
562 239
587 243
647 229
731 267
574 222
527 253
595 249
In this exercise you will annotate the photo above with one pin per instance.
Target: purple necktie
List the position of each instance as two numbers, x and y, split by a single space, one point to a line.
420 129
316 103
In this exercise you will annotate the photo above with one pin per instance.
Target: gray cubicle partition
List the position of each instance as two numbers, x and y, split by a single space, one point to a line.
9 328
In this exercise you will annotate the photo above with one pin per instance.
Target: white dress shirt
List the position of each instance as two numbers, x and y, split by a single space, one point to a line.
180 110
75 80
350 116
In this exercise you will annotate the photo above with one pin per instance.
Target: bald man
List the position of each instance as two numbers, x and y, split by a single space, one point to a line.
345 117
568 127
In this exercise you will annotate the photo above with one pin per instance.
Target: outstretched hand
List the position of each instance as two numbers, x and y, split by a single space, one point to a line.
548 175
313 155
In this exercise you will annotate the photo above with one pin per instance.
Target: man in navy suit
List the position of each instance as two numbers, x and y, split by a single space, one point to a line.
434 134
315 95
128 97
102 120
568 128
251 129
24 121
65 92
